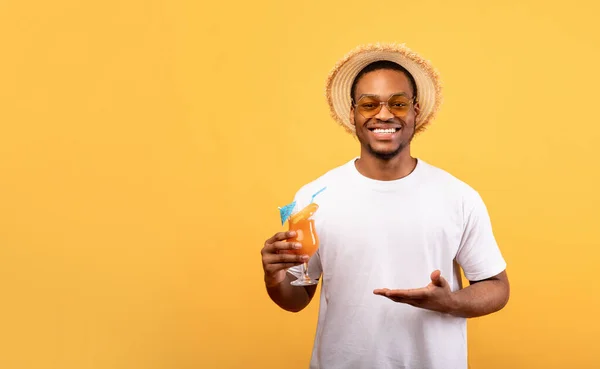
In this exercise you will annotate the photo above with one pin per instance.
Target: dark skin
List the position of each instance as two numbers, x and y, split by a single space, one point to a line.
388 158
384 156
275 261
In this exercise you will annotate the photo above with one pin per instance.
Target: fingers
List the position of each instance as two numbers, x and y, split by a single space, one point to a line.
278 243
380 291
284 258
278 254
396 296
437 279
274 263
279 246
411 294
274 268
280 236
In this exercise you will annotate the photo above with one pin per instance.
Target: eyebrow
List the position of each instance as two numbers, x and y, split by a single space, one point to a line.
372 95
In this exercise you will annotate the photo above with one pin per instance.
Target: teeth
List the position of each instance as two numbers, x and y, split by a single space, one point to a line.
387 130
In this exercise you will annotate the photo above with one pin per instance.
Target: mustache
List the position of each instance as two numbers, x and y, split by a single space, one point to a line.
394 120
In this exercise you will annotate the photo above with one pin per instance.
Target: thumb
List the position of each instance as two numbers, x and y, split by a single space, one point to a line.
437 279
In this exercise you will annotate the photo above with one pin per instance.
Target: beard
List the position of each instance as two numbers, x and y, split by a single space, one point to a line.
386 155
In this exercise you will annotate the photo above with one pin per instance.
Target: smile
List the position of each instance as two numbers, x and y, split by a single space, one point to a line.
384 130
385 134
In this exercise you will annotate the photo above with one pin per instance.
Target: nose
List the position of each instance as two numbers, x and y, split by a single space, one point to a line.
384 114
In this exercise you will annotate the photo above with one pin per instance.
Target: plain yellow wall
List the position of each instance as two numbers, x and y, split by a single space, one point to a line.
146 145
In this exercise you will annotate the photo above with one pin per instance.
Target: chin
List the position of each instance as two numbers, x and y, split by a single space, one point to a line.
386 154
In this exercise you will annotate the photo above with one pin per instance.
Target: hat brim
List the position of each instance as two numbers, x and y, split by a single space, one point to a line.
340 79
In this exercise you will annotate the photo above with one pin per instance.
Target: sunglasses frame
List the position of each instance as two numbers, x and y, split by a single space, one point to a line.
376 111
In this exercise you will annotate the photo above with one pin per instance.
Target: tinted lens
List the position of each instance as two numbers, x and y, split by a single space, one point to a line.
368 106
399 105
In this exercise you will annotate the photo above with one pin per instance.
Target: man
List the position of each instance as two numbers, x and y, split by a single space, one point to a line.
394 231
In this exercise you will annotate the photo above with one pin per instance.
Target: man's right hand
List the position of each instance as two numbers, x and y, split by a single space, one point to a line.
278 255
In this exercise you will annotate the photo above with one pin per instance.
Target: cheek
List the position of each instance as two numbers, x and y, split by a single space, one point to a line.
357 120
411 120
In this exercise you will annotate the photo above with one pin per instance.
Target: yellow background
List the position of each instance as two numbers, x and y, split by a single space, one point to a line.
146 145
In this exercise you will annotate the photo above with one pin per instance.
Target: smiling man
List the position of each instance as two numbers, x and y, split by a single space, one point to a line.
395 231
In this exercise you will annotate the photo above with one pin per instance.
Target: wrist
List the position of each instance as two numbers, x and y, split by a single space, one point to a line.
453 305
274 280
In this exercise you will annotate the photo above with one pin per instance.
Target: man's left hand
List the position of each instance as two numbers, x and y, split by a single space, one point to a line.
437 296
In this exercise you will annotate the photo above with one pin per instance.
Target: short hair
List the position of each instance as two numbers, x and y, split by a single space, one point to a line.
383 64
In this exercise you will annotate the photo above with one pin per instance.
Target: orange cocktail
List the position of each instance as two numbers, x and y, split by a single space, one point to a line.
306 234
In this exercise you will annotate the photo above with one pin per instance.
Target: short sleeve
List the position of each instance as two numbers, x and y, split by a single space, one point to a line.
302 199
478 254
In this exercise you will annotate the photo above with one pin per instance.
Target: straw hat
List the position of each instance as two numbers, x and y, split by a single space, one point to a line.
339 81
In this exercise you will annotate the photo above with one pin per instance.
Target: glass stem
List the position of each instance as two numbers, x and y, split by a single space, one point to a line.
306 277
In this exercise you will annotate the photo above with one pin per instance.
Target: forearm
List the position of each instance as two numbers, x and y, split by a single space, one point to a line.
480 298
288 297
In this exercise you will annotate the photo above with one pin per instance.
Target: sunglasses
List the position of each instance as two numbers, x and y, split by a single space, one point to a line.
369 106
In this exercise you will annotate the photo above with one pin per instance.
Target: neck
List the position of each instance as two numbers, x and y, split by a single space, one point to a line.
386 169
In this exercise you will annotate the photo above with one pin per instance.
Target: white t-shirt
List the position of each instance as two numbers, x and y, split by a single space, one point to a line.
394 234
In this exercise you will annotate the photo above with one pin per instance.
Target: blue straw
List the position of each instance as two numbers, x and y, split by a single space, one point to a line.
286 211
318 192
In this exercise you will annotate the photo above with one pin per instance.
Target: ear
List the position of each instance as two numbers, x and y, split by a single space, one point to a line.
417 109
352 115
